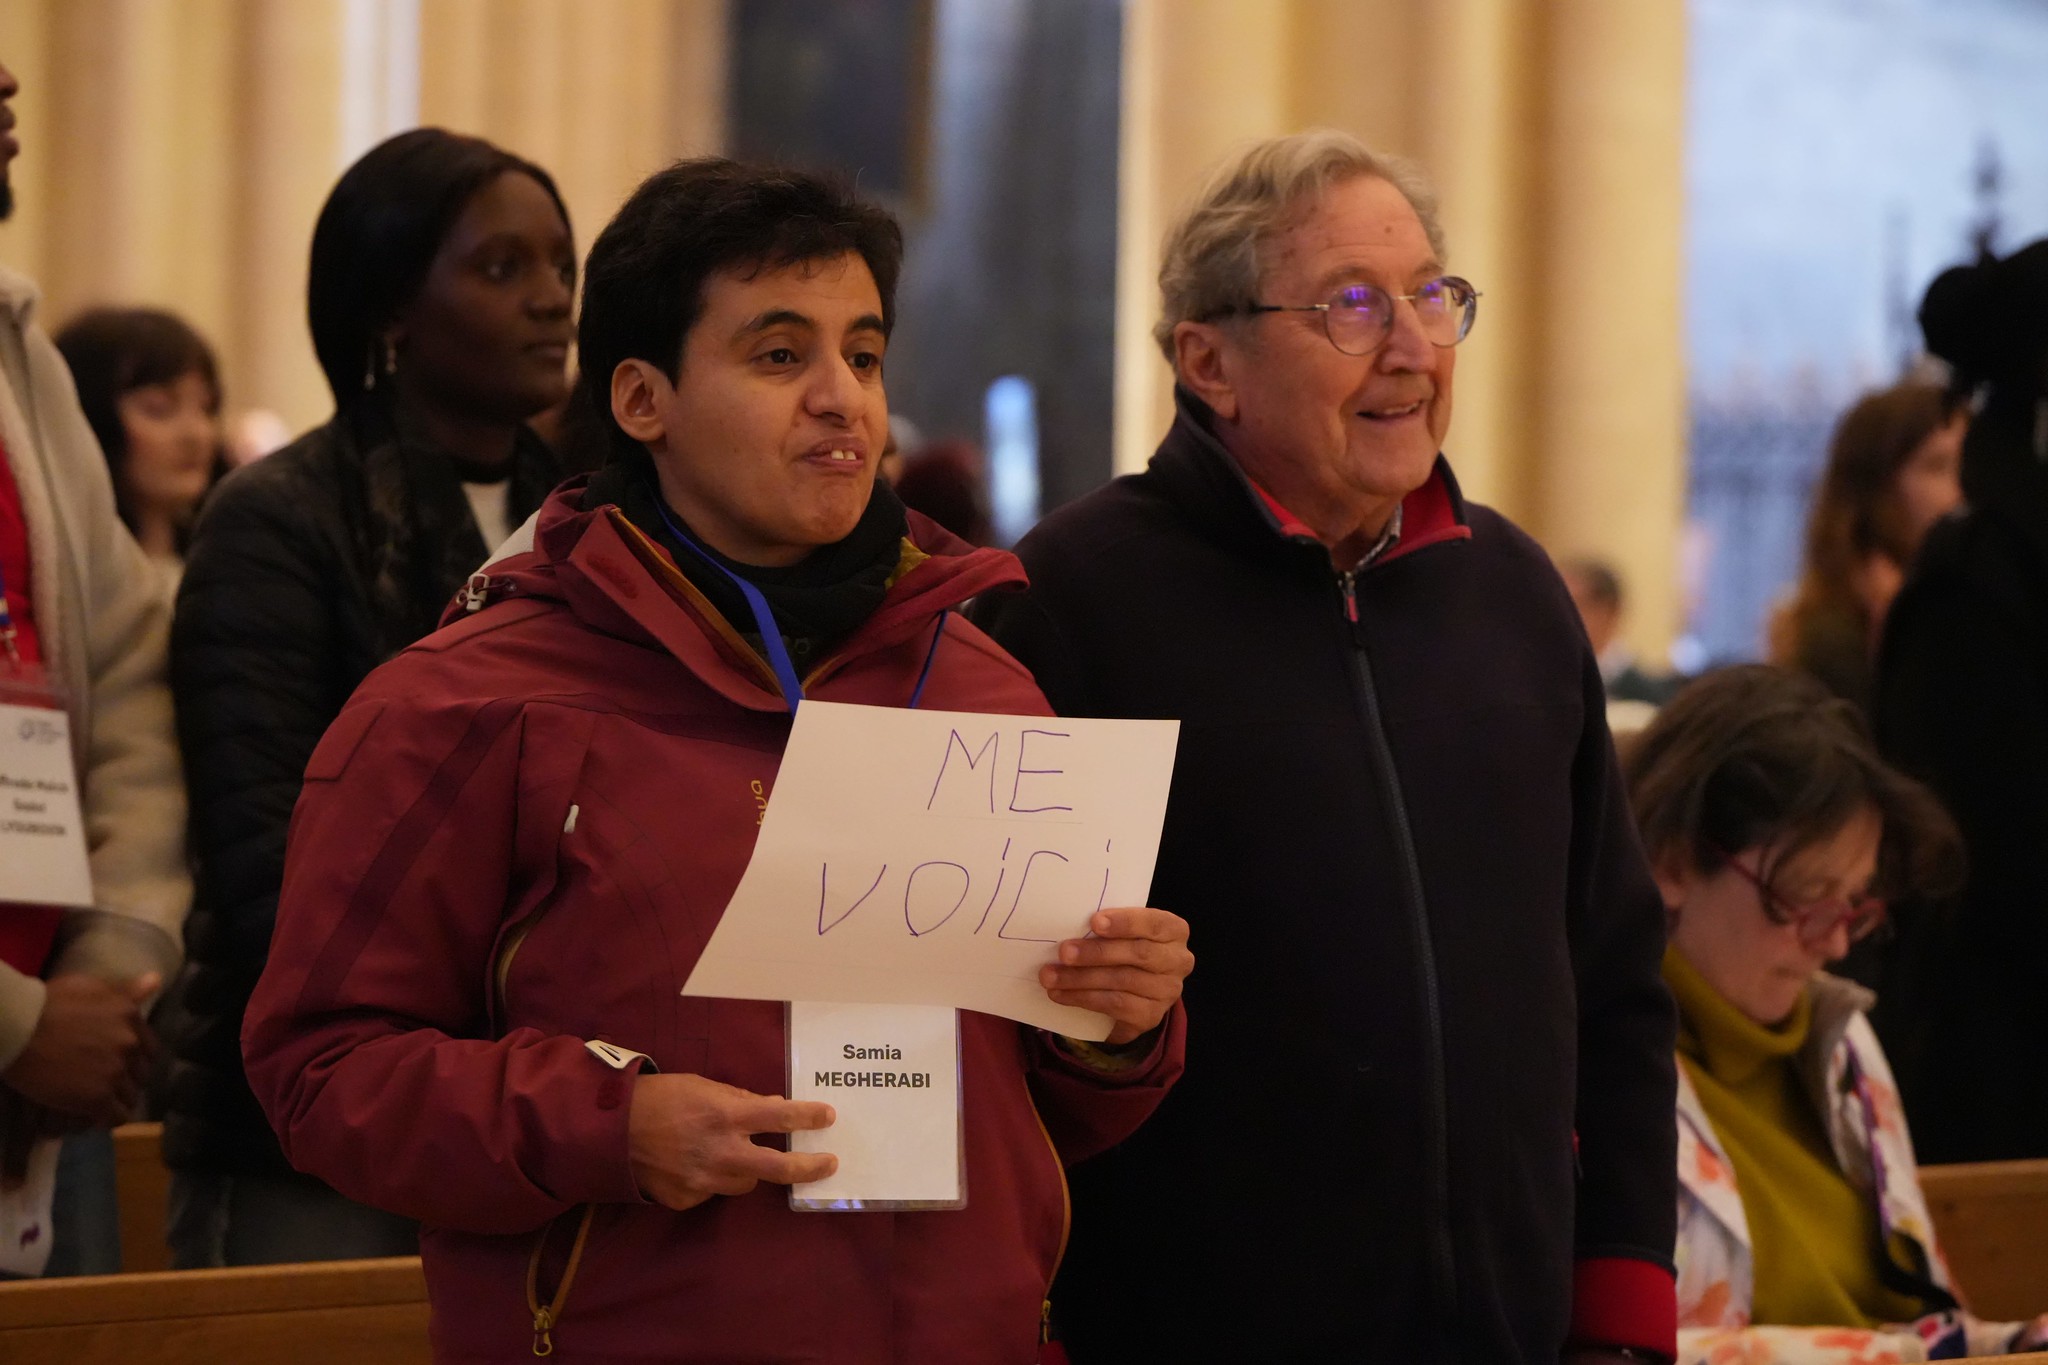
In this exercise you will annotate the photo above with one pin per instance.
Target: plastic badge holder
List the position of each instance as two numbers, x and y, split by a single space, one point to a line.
828 1056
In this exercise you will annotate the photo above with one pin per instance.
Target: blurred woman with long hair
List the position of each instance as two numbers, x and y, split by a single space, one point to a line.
1892 473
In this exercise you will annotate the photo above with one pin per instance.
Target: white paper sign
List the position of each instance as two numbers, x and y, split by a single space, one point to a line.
938 858
42 833
892 1075
25 1226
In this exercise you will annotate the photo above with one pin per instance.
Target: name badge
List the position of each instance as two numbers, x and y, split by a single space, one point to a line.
892 1073
42 829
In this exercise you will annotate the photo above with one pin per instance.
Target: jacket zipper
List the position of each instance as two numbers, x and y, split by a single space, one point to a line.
1066 1221
547 1316
1437 1187
509 946
502 973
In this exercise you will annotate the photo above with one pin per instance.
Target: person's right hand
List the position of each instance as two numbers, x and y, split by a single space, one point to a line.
690 1138
91 1049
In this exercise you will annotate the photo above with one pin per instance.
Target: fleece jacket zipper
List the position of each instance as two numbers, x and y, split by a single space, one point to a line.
1442 1263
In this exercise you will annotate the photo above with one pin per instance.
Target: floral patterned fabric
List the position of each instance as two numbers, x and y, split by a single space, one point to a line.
1852 1084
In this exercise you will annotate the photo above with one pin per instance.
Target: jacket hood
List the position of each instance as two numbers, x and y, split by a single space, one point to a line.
619 581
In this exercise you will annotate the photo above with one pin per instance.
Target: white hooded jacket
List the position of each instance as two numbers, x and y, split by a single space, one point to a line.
104 627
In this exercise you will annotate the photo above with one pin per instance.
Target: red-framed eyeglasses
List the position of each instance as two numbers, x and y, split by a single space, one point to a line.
1862 915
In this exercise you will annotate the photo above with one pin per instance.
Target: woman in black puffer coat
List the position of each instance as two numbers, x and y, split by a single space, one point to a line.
439 295
1963 704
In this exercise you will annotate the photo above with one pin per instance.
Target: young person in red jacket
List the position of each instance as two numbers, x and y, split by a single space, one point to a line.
516 839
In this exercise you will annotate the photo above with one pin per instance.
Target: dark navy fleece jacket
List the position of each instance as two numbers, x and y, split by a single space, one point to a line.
1427 1107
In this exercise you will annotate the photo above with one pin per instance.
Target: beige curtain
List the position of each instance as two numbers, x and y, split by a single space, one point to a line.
176 152
1554 130
600 92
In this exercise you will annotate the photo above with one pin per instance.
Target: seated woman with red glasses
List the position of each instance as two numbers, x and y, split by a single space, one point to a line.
1773 828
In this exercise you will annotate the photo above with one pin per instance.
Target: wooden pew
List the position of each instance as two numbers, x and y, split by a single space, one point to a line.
326 1313
143 1187
1992 1220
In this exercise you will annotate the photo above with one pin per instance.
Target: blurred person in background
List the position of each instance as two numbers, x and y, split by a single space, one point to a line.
944 481
1775 832
1962 703
82 630
1596 589
903 435
1893 471
151 389
439 293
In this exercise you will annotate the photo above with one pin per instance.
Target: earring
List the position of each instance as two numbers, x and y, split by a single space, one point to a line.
373 366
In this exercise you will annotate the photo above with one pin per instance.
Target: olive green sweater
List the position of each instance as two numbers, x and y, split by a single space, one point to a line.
1813 1235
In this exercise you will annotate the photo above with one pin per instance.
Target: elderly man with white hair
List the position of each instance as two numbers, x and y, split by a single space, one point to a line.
1444 1132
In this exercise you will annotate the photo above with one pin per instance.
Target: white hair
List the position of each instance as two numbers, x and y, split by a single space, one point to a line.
1211 263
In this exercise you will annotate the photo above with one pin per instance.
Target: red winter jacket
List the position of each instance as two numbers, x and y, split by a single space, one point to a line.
515 840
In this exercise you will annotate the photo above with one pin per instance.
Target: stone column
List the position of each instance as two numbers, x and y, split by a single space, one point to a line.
288 94
1200 77
599 101
1609 468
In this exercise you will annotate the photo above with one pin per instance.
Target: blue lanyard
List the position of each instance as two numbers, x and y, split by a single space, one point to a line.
764 619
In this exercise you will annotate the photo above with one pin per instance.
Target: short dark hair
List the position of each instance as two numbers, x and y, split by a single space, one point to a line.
114 351
1754 756
378 233
643 286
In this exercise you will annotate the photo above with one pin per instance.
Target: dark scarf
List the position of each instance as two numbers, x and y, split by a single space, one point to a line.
418 541
817 602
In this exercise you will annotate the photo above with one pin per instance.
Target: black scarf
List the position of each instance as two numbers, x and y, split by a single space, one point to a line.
817 602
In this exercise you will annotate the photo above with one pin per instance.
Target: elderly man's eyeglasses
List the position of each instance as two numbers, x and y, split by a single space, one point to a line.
1815 920
1359 317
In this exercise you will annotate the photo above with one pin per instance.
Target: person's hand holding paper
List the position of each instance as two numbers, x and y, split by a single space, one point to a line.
1131 969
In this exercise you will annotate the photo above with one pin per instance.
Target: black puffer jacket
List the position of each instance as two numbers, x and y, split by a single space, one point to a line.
307 569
